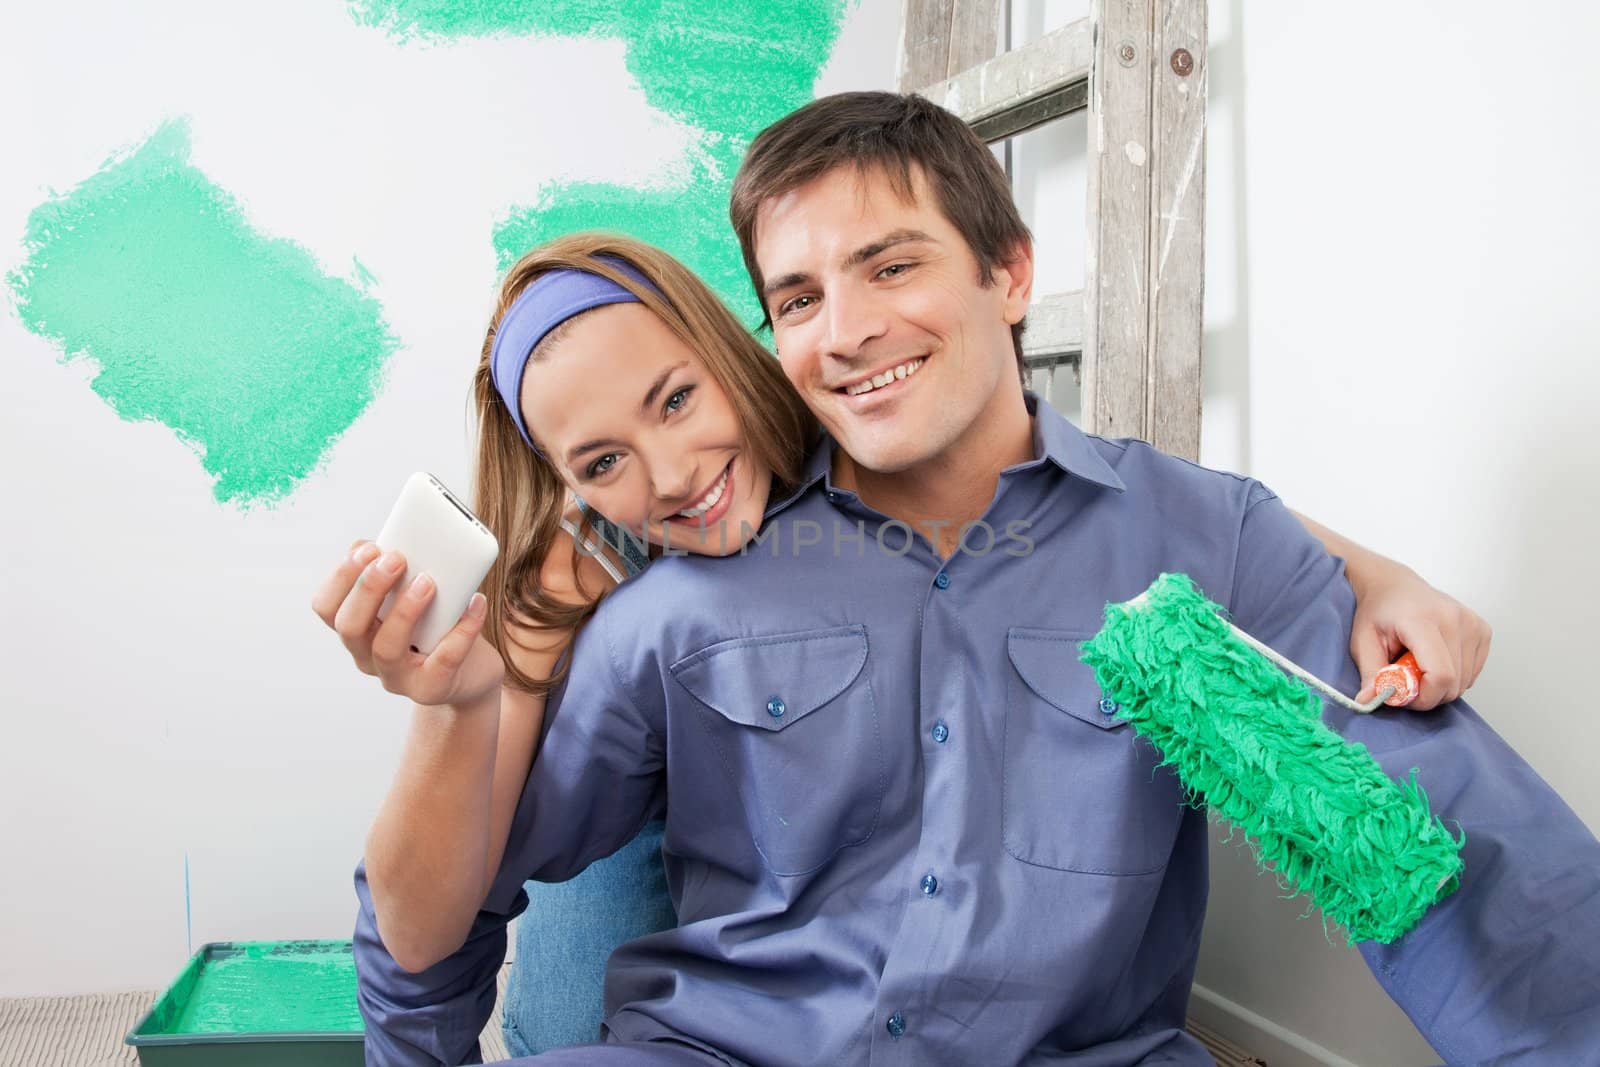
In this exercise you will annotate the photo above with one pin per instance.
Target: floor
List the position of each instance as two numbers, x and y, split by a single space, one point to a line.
87 1031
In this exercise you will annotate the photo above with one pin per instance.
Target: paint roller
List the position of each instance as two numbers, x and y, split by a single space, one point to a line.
1248 739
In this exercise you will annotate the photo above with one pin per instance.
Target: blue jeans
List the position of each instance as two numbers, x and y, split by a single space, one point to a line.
554 995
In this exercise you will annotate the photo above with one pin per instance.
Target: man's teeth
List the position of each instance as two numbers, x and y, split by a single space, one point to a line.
878 381
709 501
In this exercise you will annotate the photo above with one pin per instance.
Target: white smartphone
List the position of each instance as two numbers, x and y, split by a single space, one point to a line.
441 537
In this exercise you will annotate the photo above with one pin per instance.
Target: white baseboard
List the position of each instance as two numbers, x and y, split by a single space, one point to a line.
1279 1046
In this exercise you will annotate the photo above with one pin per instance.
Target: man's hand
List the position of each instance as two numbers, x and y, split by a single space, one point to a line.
1396 610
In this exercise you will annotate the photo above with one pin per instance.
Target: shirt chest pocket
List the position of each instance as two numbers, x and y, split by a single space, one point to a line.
794 724
1082 791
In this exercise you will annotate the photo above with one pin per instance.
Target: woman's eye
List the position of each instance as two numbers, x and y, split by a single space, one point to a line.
680 398
602 465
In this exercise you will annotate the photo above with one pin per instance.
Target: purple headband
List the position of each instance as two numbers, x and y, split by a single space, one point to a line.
553 298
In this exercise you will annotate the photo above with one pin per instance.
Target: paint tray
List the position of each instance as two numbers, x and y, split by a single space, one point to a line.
255 1003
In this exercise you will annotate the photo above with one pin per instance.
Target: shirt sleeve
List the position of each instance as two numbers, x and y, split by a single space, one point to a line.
431 1018
600 772
1507 968
597 779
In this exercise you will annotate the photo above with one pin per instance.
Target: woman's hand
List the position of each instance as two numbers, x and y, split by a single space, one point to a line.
462 671
1396 610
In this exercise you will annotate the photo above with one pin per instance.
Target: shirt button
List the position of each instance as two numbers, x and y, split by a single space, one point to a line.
776 708
896 1025
930 885
942 581
941 732
1108 706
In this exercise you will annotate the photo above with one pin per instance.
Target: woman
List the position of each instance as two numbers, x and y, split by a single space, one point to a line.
610 374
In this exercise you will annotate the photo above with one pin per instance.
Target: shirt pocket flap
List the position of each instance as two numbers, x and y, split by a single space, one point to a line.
1048 662
773 682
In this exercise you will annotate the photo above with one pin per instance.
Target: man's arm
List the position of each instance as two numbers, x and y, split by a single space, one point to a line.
1396 610
1506 969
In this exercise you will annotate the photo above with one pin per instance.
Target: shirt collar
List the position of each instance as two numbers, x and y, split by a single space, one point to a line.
1055 440
819 465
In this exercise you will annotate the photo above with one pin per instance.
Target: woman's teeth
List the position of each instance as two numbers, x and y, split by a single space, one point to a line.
708 501
893 374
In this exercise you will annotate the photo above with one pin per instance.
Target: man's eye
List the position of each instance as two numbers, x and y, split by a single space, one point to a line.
676 401
603 464
799 303
894 270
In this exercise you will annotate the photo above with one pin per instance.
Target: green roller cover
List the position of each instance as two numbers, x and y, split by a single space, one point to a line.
1249 741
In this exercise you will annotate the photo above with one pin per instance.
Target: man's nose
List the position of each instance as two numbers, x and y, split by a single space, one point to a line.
854 317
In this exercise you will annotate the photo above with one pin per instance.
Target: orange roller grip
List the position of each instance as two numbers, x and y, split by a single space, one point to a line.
1405 676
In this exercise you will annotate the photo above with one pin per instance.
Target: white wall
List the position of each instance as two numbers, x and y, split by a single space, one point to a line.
171 705
1401 205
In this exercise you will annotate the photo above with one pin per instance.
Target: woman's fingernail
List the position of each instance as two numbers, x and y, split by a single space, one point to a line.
390 562
363 553
421 585
476 606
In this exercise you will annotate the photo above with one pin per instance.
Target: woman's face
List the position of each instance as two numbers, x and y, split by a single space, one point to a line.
640 430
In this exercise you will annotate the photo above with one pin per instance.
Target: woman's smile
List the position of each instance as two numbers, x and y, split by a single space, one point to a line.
712 505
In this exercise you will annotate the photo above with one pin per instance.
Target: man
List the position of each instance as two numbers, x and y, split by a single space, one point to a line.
905 825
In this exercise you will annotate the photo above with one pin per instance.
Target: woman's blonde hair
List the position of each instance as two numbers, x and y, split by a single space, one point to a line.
518 492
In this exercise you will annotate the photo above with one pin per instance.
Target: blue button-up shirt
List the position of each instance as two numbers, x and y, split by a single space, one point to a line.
905 827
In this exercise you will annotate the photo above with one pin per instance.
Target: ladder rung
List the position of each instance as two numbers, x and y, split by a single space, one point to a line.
1055 330
1022 88
1064 359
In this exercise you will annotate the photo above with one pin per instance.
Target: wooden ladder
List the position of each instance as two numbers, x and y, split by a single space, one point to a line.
1132 333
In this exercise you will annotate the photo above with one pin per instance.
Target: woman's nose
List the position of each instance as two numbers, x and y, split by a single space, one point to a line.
672 482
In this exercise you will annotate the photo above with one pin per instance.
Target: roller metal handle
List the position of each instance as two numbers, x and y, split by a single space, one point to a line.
1388 689
1397 684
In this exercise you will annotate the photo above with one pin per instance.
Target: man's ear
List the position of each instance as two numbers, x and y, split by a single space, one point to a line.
1014 276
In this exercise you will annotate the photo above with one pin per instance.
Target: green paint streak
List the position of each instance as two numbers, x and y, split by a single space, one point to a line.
725 67
236 340
688 226
262 987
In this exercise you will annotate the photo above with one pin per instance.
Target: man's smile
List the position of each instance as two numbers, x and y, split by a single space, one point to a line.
868 383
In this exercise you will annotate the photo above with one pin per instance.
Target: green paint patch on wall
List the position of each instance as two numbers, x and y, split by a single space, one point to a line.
692 227
237 341
725 67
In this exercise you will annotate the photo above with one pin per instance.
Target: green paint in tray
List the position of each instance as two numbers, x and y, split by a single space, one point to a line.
267 985
257 1002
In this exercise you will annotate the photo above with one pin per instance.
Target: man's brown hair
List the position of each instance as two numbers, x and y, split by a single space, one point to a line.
898 135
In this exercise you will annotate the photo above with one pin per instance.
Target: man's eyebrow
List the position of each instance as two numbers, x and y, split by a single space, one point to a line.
854 259
882 244
788 281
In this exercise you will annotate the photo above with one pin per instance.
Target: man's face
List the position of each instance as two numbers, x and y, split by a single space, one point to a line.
880 320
